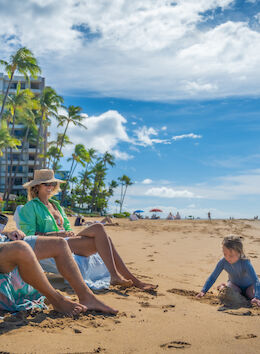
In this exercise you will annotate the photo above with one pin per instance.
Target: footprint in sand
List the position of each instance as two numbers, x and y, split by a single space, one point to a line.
246 336
176 344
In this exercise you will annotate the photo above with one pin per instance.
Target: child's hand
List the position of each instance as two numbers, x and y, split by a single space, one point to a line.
199 295
255 301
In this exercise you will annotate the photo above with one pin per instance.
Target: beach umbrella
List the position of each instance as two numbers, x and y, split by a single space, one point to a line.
155 210
139 211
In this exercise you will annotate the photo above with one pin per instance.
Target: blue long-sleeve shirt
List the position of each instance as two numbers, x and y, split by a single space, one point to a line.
240 273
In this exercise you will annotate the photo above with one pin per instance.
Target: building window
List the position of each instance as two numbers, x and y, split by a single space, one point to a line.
18 181
31 170
13 85
35 85
22 85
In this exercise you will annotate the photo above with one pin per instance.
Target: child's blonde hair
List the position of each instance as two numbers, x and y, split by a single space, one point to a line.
233 242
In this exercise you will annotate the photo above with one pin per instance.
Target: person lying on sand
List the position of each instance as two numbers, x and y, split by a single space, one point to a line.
25 252
107 221
242 276
44 216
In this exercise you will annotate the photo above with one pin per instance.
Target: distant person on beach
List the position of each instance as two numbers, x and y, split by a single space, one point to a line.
44 216
170 216
106 221
209 215
177 216
241 274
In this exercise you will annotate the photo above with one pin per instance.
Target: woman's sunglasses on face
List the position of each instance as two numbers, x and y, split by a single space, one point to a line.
51 184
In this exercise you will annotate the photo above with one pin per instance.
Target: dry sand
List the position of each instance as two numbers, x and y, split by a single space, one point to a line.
176 255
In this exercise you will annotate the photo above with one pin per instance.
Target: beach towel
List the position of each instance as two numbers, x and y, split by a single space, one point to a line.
92 268
16 295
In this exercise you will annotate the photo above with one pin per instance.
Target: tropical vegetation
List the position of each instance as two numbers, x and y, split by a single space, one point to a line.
87 188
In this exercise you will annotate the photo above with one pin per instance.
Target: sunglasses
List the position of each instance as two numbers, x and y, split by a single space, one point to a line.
51 184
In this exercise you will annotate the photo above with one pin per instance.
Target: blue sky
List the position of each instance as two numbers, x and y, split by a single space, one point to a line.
171 88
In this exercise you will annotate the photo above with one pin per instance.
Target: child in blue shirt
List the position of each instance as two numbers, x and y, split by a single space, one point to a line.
241 274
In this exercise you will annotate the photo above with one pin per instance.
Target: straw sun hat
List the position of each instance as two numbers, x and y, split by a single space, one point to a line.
42 176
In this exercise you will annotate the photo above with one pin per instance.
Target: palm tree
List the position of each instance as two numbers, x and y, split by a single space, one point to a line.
55 149
73 117
81 156
125 182
27 118
19 103
49 103
117 202
99 172
6 140
108 159
25 63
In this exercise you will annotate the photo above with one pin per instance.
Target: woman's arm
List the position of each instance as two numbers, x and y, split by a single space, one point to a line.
27 218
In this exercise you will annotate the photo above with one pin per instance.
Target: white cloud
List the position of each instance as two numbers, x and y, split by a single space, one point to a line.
121 155
147 181
184 136
144 137
165 192
164 128
92 45
103 133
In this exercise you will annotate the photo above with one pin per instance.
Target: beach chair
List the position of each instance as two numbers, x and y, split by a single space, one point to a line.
92 268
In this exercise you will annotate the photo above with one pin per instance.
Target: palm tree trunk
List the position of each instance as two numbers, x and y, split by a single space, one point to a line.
61 145
5 96
38 142
64 191
9 180
6 171
45 146
123 197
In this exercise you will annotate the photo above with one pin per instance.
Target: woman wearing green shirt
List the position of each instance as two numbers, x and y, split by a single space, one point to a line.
44 216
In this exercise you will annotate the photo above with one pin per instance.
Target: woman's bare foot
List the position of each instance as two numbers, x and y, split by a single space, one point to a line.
145 286
93 304
67 307
119 280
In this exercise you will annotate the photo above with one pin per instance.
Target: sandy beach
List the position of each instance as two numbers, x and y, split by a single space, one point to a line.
176 255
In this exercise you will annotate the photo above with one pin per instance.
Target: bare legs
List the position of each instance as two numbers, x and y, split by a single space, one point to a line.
95 239
47 247
18 253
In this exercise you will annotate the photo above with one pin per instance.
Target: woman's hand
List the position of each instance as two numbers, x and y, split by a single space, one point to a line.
16 235
255 301
199 295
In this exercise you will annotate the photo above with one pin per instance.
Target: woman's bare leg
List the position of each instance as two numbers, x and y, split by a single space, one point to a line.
94 239
18 253
113 258
122 268
57 248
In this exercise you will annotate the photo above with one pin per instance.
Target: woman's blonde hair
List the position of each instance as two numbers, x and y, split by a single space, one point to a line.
233 242
34 191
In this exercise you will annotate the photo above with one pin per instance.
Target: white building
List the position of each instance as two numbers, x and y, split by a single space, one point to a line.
26 168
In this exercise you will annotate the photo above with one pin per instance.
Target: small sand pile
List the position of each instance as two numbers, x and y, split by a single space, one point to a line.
232 299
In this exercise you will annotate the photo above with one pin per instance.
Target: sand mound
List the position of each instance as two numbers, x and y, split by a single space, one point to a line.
232 299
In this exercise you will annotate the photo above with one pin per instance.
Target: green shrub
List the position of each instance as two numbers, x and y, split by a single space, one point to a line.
120 215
